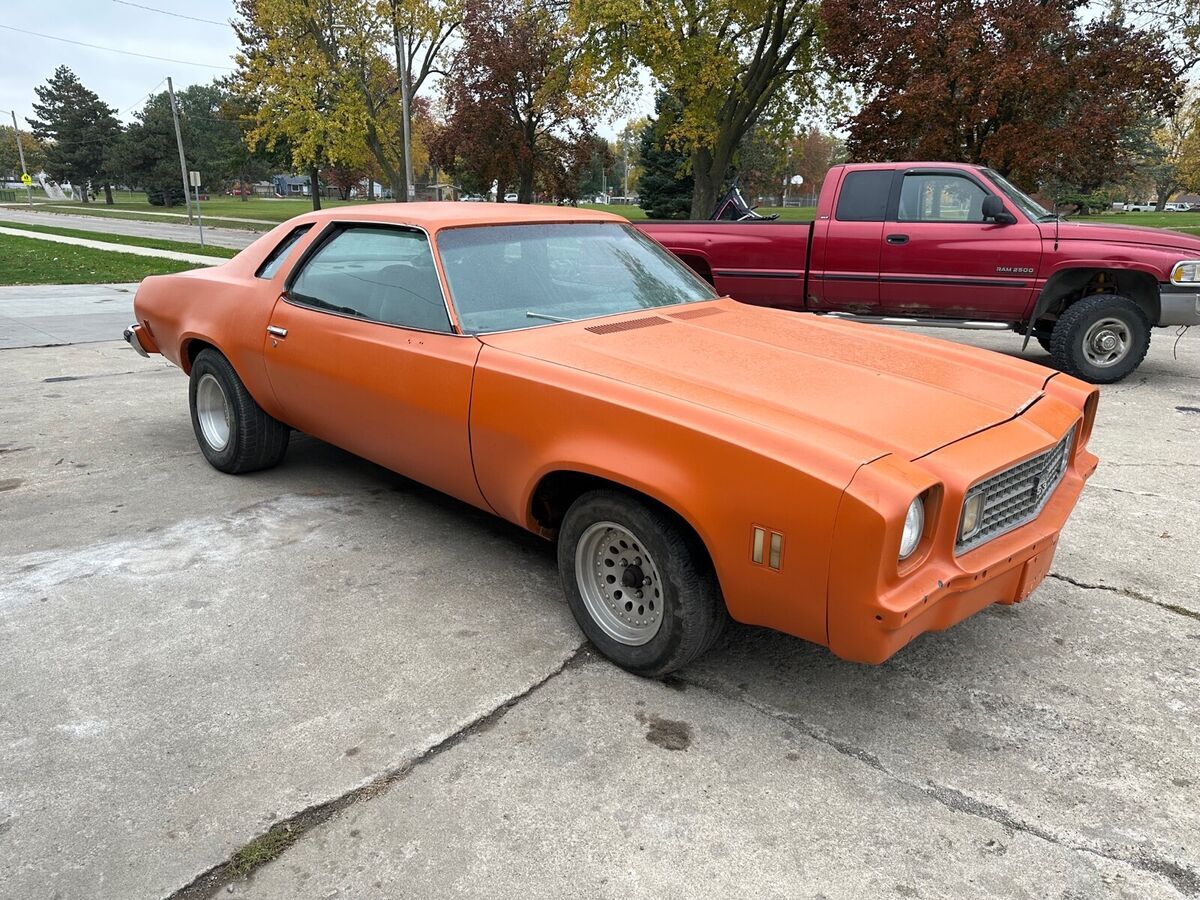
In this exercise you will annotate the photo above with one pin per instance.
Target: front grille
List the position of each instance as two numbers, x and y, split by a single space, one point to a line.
1017 495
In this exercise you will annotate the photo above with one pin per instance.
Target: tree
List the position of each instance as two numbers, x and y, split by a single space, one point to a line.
729 64
517 89
1170 157
813 153
10 160
666 186
78 128
325 75
1023 86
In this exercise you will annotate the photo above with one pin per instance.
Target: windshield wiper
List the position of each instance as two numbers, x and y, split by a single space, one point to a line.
530 314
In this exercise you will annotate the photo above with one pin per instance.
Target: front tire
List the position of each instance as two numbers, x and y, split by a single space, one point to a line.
1101 338
639 584
234 433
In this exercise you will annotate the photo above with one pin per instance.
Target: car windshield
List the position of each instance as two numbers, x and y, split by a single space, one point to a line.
1024 202
507 277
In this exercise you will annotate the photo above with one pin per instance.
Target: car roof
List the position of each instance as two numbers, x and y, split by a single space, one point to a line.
436 215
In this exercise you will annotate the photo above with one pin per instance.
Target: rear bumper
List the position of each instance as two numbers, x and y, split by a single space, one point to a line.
1178 305
140 340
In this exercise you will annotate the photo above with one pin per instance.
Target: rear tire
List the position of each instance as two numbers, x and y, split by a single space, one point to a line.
234 433
1101 338
640 585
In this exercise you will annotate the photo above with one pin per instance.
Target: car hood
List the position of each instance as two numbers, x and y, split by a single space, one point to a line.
1163 238
891 392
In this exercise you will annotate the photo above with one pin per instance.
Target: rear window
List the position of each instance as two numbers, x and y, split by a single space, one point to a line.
864 196
279 255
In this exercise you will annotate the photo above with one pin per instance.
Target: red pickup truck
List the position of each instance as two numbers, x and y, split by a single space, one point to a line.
956 245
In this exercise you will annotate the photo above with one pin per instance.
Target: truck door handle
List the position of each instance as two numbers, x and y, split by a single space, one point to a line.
897 238
276 331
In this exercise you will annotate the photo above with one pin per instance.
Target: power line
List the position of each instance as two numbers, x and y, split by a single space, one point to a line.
52 37
167 12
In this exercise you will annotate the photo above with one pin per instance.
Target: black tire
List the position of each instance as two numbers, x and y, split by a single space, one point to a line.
1074 331
255 440
692 613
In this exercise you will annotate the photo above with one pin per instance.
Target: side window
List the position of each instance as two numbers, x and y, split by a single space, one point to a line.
277 257
374 272
864 196
940 198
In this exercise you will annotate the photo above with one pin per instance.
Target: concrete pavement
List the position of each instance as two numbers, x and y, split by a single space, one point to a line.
48 314
233 238
190 659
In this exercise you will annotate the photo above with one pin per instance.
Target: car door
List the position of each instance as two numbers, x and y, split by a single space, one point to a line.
941 258
360 353
844 269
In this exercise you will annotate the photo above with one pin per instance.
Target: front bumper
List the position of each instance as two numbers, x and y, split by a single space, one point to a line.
874 612
1178 304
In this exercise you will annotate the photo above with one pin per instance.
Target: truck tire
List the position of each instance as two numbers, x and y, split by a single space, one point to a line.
234 433
1101 338
640 585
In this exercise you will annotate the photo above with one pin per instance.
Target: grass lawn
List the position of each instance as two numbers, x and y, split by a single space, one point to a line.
30 261
126 239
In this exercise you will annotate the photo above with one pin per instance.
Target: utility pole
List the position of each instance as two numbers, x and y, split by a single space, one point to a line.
183 170
21 153
401 42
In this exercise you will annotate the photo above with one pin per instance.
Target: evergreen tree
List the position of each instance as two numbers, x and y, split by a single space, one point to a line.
78 128
665 186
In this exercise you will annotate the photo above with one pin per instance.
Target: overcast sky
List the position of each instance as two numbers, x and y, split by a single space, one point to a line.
121 80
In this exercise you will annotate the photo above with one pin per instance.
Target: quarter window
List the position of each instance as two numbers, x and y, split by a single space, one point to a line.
279 255
940 198
385 274
864 196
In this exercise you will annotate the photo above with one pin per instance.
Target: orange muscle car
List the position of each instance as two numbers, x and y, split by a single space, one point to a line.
694 457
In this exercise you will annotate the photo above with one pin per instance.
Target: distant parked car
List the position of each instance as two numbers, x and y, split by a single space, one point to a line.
510 198
472 198
1177 207
1139 207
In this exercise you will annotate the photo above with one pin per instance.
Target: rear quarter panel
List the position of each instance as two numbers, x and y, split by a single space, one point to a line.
226 306
721 475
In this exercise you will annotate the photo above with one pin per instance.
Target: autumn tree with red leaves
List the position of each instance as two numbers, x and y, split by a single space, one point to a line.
1023 86
518 96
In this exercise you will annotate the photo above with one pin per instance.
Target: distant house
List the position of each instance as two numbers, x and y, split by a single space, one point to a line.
291 185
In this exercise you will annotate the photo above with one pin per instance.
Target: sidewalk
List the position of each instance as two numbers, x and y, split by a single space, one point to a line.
231 238
116 248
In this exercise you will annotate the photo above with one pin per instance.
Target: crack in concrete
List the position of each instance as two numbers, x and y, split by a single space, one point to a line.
282 834
1186 880
1130 593
1109 487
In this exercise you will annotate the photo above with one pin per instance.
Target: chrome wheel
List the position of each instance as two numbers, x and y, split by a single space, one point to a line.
212 412
619 583
1107 342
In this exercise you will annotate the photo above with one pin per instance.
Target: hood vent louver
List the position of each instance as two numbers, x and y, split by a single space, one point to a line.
628 325
697 313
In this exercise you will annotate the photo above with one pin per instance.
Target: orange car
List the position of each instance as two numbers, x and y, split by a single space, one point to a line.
694 457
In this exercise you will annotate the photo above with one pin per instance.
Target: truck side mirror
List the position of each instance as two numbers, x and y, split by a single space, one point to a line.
993 209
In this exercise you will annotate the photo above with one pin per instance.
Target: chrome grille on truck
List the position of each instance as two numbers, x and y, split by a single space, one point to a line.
1015 496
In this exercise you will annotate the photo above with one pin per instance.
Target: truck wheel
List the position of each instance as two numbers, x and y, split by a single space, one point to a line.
1044 340
1101 338
640 585
234 433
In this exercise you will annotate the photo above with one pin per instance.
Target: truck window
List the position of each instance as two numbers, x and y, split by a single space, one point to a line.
940 197
864 196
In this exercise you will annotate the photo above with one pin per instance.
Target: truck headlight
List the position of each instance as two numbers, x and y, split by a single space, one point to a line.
914 526
1186 271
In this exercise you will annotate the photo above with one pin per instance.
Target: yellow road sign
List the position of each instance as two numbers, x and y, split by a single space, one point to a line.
25 179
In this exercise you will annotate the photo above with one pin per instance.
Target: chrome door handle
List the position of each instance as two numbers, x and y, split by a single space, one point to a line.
897 238
276 331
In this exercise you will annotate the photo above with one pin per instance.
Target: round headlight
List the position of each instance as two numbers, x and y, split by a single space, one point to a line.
914 524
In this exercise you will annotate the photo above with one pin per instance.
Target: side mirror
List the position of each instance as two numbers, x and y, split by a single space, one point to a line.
993 209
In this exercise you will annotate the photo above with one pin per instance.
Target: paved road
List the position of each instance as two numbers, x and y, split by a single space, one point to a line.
169 231
189 658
